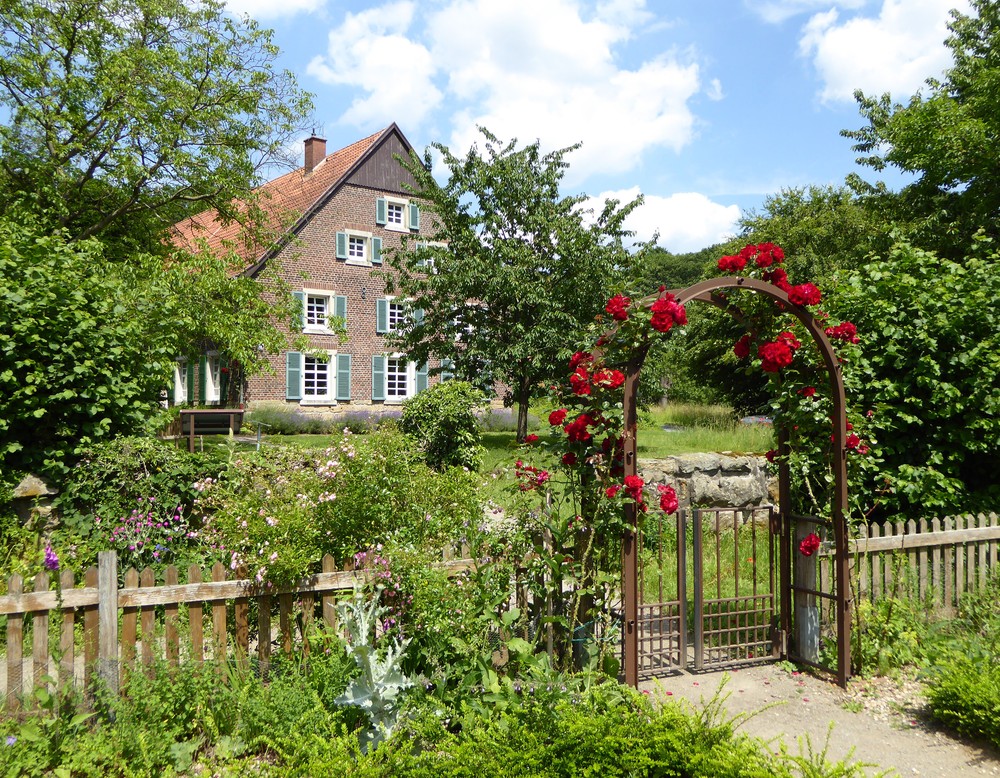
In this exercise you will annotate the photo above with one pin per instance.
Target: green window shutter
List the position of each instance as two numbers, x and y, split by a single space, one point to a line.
418 316
378 377
172 385
380 211
340 307
223 382
381 316
421 378
190 382
293 375
300 320
376 251
343 377
341 245
414 210
447 370
202 379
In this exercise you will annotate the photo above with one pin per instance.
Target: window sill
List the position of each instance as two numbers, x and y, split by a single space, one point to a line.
317 331
318 401
358 262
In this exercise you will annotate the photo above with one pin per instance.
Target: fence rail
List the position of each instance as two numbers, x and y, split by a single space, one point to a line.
142 620
935 561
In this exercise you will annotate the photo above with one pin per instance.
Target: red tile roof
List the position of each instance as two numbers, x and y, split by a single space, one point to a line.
284 201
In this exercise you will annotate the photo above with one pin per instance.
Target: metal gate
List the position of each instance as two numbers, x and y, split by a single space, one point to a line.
707 589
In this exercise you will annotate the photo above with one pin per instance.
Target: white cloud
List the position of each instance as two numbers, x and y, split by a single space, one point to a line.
685 221
370 51
894 52
272 9
522 68
777 11
714 90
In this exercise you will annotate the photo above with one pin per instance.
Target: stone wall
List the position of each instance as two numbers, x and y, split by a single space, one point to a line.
713 480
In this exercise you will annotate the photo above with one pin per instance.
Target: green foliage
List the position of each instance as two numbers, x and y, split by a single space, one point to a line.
658 267
163 104
538 268
278 512
77 364
945 138
443 421
116 478
929 377
887 635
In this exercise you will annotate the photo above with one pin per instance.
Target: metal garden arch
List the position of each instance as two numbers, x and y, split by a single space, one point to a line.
709 291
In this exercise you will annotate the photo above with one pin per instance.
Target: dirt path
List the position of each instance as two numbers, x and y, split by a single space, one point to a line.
885 721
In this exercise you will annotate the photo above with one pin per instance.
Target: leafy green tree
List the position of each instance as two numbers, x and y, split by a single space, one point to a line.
519 270
946 138
929 371
123 114
675 271
81 359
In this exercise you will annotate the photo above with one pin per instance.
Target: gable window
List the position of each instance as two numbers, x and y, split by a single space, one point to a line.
359 248
397 214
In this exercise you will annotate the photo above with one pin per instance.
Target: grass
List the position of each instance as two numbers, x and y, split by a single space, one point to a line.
703 428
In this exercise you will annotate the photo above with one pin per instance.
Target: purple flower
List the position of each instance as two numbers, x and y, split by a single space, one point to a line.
51 559
11 740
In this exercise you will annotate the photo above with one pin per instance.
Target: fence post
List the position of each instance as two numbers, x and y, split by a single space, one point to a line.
107 615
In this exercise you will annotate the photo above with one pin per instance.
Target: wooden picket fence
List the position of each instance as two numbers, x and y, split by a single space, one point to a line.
141 622
934 562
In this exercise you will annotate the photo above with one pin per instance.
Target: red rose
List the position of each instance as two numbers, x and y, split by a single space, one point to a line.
668 498
732 264
529 439
633 485
774 356
611 491
608 379
742 347
580 381
809 545
852 441
844 331
789 340
768 254
579 358
808 391
666 313
617 307
569 459
557 417
577 429
805 294
771 455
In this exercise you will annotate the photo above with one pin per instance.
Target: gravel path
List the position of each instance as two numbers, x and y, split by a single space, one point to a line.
884 720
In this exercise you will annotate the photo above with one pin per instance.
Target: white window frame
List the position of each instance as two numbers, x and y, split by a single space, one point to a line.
366 241
180 381
403 317
402 224
410 375
317 328
331 378
213 377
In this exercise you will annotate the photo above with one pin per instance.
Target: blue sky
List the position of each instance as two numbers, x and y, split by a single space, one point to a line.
703 106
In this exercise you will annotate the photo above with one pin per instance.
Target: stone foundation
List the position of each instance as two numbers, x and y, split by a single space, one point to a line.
712 480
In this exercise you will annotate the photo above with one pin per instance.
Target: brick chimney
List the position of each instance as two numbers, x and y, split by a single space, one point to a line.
315 151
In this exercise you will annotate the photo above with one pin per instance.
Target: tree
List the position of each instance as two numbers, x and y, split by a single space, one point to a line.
519 270
123 114
946 139
80 359
929 371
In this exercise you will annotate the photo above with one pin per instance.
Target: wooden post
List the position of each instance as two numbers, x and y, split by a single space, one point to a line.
15 648
90 630
40 640
170 620
107 615
66 664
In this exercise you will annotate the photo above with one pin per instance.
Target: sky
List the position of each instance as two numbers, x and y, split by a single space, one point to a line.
705 107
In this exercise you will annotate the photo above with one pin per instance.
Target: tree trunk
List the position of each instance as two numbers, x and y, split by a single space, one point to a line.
521 398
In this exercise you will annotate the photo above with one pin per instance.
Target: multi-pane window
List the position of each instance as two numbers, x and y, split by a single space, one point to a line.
213 378
356 247
395 378
317 310
181 381
397 316
315 377
394 214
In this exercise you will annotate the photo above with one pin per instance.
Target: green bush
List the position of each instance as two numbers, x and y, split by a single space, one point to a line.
964 695
280 510
443 421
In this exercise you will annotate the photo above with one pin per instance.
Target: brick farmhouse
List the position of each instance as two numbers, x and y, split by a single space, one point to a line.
346 209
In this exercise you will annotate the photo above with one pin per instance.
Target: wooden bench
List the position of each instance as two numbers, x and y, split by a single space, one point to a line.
209 421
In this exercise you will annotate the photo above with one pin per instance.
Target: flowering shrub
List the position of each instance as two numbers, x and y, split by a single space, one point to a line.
152 534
